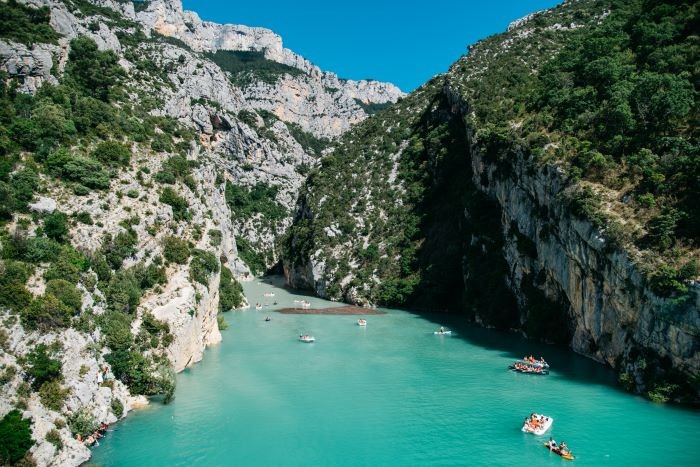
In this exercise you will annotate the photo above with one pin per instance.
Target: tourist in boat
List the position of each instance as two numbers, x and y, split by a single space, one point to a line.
552 444
564 449
267 319
441 330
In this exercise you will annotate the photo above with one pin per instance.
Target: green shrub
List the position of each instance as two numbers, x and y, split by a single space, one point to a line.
116 328
66 293
123 292
41 367
53 395
54 437
84 218
117 407
46 314
202 265
666 281
250 66
215 237
112 153
230 291
150 275
62 268
178 203
14 296
142 374
15 437
221 322
26 24
41 249
24 183
176 250
56 226
93 71
82 422
117 249
260 199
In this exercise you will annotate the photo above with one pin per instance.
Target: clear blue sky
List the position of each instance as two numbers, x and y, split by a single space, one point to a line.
404 42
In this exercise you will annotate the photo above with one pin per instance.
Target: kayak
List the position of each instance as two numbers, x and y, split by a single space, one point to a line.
529 372
568 457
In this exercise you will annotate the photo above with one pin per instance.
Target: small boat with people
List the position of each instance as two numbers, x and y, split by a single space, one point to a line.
362 322
537 424
529 369
306 338
534 362
258 306
443 332
268 318
305 305
562 449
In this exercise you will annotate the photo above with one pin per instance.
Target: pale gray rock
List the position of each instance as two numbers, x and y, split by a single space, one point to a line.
43 206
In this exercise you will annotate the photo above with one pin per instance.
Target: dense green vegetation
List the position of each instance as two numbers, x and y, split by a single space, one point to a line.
230 291
310 143
373 107
80 135
249 66
257 200
15 437
618 106
26 24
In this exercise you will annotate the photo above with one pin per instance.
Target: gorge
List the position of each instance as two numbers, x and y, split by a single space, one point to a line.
545 185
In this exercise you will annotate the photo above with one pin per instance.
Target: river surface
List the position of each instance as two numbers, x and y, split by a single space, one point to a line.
392 393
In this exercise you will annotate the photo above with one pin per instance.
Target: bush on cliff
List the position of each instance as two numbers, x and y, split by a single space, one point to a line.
15 437
46 313
176 250
41 367
202 265
230 291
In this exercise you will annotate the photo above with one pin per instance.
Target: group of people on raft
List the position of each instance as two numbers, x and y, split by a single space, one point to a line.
525 368
92 439
534 362
562 449
534 422
531 365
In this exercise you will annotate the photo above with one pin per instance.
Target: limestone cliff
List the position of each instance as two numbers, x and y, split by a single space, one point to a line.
153 186
468 195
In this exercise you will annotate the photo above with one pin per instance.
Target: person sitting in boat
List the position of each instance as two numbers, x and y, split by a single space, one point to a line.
564 449
552 444
267 319
442 329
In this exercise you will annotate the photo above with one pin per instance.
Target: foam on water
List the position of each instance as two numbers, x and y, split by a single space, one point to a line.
392 393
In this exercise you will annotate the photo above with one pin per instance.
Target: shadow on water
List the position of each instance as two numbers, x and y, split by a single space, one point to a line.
563 361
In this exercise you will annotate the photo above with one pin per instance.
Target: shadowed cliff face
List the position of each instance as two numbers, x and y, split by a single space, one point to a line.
476 206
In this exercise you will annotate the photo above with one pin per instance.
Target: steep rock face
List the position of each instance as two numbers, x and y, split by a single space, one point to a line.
607 310
259 134
499 195
31 65
318 101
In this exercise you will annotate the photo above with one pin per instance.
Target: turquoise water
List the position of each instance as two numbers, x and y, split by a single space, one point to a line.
392 393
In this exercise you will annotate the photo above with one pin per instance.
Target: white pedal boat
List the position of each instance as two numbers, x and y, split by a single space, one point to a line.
307 339
362 322
545 424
